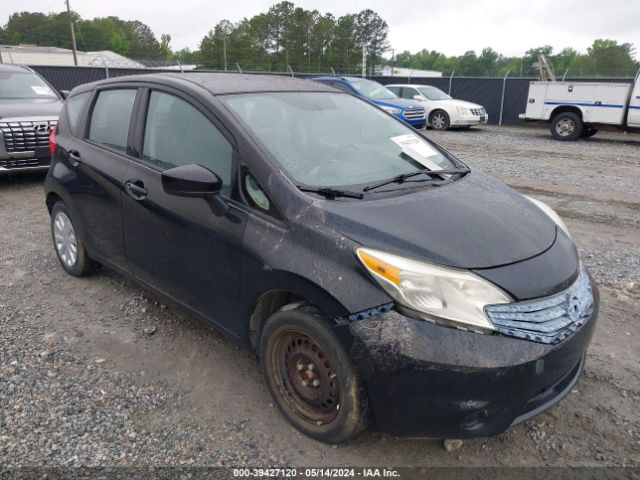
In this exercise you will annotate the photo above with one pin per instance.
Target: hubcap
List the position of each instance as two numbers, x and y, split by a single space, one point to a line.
65 239
306 378
565 127
438 121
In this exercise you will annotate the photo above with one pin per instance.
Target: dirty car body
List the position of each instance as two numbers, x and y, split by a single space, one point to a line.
278 233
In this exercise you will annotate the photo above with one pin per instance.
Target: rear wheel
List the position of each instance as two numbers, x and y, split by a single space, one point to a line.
439 120
68 244
310 375
566 126
588 132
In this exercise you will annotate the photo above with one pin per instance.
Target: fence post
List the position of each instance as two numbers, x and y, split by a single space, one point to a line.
238 65
290 70
504 87
564 75
106 68
180 65
451 80
333 71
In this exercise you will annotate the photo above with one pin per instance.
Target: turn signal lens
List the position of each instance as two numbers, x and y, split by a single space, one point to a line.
52 141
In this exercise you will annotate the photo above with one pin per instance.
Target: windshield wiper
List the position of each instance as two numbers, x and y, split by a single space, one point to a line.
331 193
405 176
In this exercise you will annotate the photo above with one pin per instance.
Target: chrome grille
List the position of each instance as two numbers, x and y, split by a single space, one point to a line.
26 136
478 111
549 319
414 114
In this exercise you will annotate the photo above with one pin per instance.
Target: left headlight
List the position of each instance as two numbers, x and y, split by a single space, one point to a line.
391 110
432 292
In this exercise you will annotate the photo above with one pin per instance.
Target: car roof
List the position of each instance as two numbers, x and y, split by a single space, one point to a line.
12 68
406 85
344 79
222 83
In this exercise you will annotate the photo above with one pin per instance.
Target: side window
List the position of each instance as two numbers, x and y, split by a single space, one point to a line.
75 106
110 118
408 93
176 133
395 90
255 193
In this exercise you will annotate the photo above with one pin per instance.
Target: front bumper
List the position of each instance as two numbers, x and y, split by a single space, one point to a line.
414 122
428 380
467 121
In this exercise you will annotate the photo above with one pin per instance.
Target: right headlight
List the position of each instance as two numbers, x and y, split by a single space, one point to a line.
391 110
551 213
433 292
463 111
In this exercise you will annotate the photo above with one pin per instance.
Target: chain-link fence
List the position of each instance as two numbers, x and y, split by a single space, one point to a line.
503 98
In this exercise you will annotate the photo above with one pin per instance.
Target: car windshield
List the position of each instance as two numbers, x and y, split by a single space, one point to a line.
371 89
16 85
327 139
433 93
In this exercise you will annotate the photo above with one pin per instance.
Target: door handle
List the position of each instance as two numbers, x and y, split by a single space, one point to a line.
74 157
135 189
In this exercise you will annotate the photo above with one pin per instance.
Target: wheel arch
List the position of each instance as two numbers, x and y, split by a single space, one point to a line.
287 290
566 109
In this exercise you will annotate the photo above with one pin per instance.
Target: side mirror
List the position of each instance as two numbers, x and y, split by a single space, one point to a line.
64 93
418 97
195 181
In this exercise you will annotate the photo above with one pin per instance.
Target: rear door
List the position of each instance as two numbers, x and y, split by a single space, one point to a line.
95 157
633 117
177 244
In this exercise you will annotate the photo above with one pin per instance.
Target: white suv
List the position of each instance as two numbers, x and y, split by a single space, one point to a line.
441 110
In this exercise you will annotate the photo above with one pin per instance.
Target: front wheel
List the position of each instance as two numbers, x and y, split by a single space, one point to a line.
311 376
439 120
566 126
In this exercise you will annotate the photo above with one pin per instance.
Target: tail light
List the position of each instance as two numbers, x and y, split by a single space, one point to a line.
52 141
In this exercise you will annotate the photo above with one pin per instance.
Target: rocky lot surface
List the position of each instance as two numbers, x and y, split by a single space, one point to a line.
99 372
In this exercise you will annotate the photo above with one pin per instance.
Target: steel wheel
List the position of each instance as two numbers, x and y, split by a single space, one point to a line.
306 377
565 127
65 239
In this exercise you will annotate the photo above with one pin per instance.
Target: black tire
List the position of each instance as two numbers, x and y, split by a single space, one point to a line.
298 346
439 120
566 126
588 132
79 264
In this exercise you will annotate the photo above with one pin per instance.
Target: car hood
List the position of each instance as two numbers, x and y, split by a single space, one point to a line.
476 222
36 107
456 103
399 102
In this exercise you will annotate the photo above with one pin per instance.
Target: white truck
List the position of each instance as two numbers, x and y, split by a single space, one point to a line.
580 109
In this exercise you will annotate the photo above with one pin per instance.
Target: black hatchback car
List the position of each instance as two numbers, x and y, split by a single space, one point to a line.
376 276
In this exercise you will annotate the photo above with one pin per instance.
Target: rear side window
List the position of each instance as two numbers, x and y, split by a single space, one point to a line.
110 118
177 133
75 107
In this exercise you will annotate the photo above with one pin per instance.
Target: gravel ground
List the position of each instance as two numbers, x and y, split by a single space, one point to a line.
98 372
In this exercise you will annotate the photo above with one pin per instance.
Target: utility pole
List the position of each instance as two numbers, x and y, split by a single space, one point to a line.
224 50
73 36
364 61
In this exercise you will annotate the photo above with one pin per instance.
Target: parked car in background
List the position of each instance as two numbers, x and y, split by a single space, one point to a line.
408 111
368 268
29 109
441 110
579 109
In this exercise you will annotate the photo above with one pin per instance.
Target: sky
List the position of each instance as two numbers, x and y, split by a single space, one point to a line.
452 26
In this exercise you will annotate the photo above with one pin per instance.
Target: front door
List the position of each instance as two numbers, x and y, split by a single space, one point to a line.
177 244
